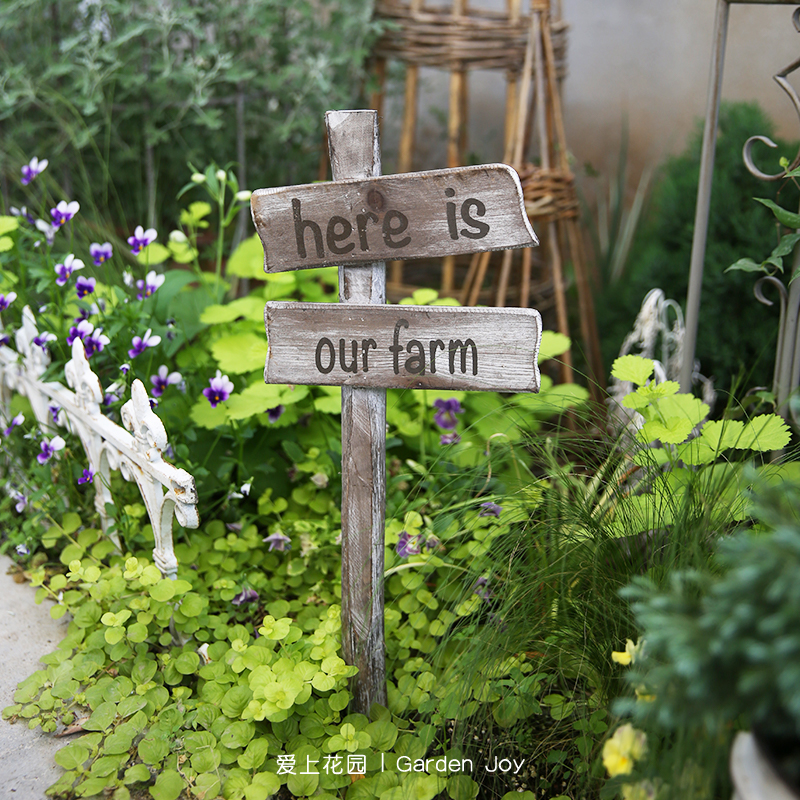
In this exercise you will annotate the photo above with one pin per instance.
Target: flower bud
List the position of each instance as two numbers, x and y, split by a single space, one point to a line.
178 236
198 177
221 174
244 195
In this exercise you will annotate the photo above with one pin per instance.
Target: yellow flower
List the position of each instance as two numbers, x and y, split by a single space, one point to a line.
630 654
622 749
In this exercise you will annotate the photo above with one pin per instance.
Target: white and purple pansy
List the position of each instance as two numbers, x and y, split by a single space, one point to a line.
64 212
100 252
63 271
219 389
141 238
141 343
33 169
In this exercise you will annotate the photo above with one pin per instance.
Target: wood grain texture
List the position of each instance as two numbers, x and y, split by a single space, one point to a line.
416 215
407 347
355 154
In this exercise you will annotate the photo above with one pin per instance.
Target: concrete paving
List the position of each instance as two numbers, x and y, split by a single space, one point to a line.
27 633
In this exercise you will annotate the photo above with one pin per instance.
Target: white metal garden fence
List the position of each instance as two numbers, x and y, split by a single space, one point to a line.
137 450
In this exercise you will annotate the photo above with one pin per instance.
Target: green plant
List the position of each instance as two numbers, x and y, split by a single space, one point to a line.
661 251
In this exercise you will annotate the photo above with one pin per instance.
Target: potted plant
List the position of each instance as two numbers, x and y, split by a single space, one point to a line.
723 644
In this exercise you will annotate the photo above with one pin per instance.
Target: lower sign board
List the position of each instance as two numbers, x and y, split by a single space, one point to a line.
406 347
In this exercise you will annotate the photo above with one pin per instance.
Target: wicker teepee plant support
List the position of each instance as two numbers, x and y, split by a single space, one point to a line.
531 50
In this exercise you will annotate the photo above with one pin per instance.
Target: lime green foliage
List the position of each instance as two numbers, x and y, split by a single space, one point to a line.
735 330
670 420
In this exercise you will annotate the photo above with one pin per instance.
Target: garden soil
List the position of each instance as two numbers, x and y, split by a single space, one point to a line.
27 633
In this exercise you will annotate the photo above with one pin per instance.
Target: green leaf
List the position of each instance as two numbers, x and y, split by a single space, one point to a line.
163 590
247 260
235 701
169 784
787 218
72 756
205 416
207 786
153 254
633 368
153 749
138 773
462 787
238 734
553 344
255 399
264 785
672 431
101 717
8 224
6 243
254 755
746 265
722 434
765 432
250 307
187 663
240 352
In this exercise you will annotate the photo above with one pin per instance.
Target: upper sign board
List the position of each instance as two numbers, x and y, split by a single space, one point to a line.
403 347
415 215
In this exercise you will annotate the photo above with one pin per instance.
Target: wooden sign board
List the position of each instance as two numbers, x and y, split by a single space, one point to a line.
407 347
416 215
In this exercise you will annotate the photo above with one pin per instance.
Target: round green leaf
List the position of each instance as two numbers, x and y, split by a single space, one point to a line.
169 784
72 756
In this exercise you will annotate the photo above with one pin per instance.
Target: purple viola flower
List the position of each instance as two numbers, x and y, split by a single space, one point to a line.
490 510
274 414
43 338
49 449
86 477
64 212
141 238
432 542
54 410
32 169
481 588
278 541
245 596
407 545
63 271
6 300
141 343
111 395
445 416
163 379
124 368
95 342
22 550
84 286
21 502
24 213
80 331
449 438
153 403
149 285
100 252
18 420
219 389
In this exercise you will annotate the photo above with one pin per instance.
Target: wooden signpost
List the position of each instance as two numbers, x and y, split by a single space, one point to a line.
365 346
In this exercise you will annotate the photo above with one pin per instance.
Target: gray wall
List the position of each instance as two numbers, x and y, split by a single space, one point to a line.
646 61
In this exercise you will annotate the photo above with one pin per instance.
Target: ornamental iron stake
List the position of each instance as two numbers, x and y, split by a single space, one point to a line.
704 184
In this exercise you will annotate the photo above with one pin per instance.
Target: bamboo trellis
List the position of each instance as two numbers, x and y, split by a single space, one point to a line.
531 49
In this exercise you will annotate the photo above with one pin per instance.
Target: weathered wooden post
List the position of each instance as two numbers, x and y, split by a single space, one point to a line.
358 221
355 154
